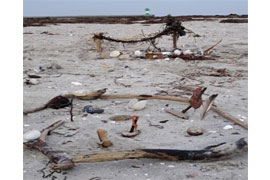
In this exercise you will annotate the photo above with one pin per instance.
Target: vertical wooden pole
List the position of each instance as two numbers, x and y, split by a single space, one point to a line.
98 44
174 40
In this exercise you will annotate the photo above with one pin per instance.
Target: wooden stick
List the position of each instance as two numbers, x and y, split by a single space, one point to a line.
214 152
100 94
58 158
212 47
229 117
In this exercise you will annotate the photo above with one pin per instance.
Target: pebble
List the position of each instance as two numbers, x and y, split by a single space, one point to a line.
171 166
195 131
76 83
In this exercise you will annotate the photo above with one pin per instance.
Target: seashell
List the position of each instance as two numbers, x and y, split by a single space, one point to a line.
138 53
80 93
227 127
207 105
166 53
31 135
130 134
124 57
76 83
114 54
187 52
137 105
177 52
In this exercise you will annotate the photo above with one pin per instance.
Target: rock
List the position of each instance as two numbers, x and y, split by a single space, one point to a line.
130 134
54 66
31 81
195 131
91 110
136 105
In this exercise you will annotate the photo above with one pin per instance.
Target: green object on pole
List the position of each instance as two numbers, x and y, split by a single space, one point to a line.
147 11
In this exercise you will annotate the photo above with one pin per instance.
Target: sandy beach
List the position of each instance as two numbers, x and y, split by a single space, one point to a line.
67 61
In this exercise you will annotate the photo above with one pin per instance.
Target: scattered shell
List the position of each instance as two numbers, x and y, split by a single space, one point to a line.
31 135
31 81
166 53
136 105
114 54
76 83
124 57
138 53
228 127
187 52
167 59
177 52
195 131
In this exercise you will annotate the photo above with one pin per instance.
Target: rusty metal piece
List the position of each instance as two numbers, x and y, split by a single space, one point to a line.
196 99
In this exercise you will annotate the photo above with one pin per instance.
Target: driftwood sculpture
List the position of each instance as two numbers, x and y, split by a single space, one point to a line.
60 161
99 94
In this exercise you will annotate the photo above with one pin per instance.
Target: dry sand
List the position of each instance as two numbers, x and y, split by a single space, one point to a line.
79 61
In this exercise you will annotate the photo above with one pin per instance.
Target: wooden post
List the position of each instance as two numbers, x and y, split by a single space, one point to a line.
174 39
98 43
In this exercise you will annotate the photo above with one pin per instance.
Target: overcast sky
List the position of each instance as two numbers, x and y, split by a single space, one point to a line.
133 7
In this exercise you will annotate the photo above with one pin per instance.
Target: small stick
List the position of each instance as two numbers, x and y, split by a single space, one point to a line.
212 47
230 117
134 124
71 107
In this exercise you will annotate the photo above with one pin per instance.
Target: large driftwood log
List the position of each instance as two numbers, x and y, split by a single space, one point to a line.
59 159
214 152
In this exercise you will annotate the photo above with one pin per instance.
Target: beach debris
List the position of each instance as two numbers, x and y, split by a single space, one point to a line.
54 66
187 52
115 54
124 57
136 105
212 152
133 130
163 121
195 131
228 127
207 105
155 125
33 76
120 118
31 135
196 99
91 110
153 55
177 51
98 41
86 95
207 51
71 108
31 81
57 102
59 159
102 135
177 114
76 83
138 53
49 33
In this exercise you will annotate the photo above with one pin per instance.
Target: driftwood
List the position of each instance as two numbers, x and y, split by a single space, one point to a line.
214 152
60 161
99 95
212 47
58 158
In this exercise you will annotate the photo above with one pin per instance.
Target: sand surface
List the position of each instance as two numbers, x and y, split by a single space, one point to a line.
79 62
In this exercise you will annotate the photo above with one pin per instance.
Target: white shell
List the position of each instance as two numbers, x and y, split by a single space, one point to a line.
132 102
187 52
166 53
137 53
80 93
139 105
114 54
31 135
228 127
177 52
76 83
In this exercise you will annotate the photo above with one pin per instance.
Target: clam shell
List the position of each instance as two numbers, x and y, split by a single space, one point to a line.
80 93
136 105
114 54
187 52
177 52
31 135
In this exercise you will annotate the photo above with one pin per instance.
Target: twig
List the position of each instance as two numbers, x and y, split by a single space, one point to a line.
212 47
71 107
